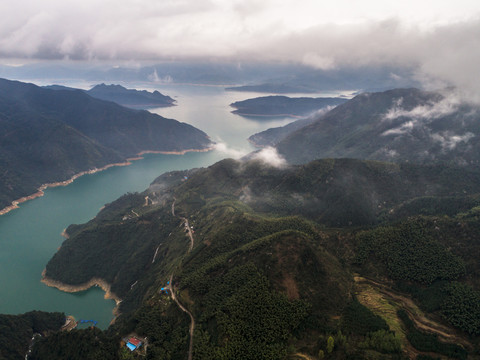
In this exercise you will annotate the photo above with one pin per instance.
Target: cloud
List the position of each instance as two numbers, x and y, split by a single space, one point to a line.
420 115
404 128
437 39
153 77
449 141
432 110
270 156
228 151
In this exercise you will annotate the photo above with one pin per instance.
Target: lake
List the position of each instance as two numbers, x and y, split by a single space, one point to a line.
30 235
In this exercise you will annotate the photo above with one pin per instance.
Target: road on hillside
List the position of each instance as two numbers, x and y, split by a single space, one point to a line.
445 333
171 288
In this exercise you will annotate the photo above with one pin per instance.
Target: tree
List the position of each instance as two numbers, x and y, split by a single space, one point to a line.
330 344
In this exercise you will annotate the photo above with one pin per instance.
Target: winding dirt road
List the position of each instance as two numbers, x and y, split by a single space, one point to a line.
445 333
171 288
192 320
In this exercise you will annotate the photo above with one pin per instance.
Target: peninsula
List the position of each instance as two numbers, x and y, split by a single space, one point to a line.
53 136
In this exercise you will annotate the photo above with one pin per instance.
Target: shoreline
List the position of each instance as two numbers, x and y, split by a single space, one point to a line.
40 191
105 286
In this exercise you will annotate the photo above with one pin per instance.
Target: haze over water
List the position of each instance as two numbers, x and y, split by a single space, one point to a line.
29 236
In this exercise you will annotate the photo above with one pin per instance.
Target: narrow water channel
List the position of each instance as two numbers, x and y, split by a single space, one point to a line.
30 235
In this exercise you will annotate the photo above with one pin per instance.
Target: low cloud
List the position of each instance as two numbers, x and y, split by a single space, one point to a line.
433 110
402 129
449 141
270 156
438 40
228 151
420 115
246 195
153 77
320 112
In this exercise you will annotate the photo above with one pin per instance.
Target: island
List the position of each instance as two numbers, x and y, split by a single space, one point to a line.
283 106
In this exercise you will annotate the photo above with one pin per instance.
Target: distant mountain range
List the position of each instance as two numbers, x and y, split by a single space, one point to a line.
273 88
283 105
395 125
277 78
123 96
49 136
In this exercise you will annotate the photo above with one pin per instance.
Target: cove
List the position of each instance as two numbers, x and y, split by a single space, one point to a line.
30 235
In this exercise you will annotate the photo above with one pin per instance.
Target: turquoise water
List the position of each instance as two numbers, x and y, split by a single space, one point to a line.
30 235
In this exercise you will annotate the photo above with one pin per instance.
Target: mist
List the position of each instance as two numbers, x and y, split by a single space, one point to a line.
438 41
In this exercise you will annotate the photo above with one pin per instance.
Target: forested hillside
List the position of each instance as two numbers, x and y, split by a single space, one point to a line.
19 332
49 136
397 125
140 99
275 263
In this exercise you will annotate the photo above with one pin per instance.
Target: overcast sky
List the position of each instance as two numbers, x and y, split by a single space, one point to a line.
441 38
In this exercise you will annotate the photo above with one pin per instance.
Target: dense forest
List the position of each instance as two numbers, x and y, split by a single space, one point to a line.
341 258
19 332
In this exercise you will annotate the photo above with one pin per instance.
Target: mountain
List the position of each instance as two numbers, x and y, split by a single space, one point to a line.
272 136
130 97
283 105
275 77
331 257
49 136
395 125
122 96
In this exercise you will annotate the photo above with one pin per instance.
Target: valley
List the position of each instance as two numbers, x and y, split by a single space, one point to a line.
267 259
240 180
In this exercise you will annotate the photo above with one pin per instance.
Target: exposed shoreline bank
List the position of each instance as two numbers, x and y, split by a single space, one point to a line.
40 191
105 286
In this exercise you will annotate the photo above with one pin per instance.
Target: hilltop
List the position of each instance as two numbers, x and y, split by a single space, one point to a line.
126 97
130 97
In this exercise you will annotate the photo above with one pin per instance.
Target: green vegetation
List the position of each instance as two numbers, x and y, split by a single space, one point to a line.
462 307
167 334
76 345
16 331
130 97
409 252
383 341
358 319
252 321
428 342
268 276
343 132
53 135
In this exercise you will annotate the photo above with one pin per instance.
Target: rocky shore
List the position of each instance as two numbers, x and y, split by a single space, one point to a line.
41 189
105 286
